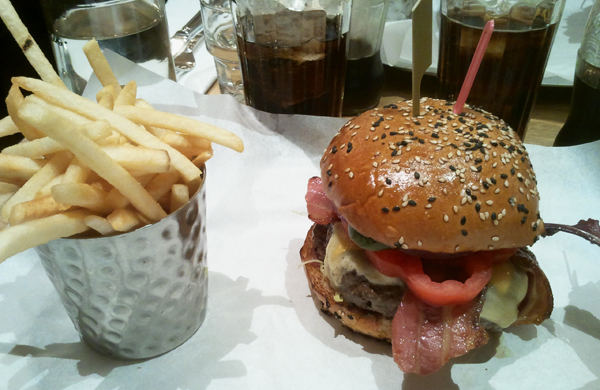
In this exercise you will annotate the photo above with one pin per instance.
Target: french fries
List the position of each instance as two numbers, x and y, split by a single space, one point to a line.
185 125
106 167
100 66
18 238
26 42
134 132
180 195
8 127
55 167
90 153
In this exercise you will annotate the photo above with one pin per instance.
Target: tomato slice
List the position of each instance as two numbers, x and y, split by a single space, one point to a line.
474 271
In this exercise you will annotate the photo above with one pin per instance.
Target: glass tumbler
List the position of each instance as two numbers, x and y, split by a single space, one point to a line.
221 43
513 65
364 70
135 29
583 124
293 54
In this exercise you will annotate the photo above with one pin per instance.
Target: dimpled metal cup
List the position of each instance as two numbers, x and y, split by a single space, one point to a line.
139 294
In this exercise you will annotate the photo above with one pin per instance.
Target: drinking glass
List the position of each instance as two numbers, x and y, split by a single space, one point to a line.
583 124
513 66
364 69
135 29
221 43
293 54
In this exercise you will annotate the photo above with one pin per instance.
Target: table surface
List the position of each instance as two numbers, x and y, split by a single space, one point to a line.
547 118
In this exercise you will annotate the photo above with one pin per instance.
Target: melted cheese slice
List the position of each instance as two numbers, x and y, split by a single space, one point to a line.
505 291
344 256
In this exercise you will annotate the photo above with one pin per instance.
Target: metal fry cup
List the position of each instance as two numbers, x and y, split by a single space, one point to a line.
139 294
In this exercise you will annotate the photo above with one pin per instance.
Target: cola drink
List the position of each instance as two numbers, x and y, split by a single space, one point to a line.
288 70
364 82
512 68
583 124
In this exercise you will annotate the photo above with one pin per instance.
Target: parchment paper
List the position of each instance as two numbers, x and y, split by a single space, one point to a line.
263 330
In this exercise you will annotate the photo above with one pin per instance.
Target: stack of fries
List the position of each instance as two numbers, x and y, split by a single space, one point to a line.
109 166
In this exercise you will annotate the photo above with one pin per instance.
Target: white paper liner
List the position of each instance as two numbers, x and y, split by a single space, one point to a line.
263 330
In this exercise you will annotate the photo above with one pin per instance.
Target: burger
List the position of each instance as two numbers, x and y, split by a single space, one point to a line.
421 228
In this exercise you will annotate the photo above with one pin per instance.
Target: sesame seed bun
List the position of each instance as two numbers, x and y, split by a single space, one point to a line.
440 182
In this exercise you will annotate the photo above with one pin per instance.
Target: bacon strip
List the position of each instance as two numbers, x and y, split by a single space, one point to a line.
320 209
425 337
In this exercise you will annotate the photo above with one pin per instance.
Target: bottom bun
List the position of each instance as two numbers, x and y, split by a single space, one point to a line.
359 320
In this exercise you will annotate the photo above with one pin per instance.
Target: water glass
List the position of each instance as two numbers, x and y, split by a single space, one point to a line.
135 29
221 43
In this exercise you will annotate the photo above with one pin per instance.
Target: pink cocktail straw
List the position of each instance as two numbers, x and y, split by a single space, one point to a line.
474 67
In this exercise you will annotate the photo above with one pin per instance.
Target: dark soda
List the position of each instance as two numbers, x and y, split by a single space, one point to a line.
364 81
583 124
286 74
510 73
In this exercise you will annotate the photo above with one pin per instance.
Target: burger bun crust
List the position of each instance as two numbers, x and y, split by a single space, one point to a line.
440 182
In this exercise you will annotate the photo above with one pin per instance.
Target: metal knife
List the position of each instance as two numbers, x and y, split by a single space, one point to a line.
180 39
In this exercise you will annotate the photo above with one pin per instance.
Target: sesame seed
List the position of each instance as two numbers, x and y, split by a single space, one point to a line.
495 238
380 193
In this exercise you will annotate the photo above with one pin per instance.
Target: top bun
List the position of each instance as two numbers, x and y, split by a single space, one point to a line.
439 182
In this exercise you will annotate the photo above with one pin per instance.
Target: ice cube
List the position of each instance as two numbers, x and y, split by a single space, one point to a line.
290 28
